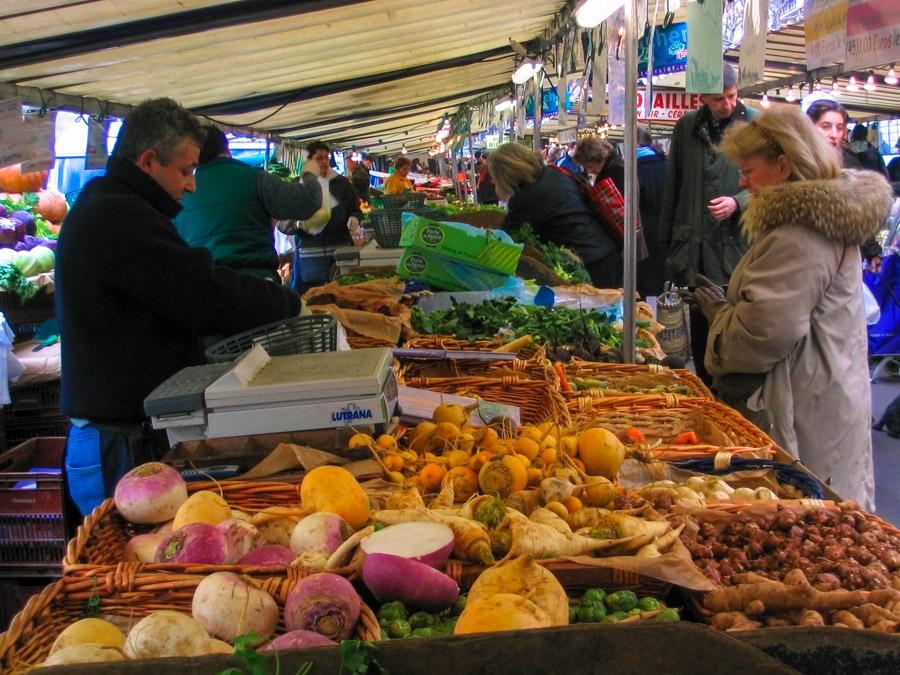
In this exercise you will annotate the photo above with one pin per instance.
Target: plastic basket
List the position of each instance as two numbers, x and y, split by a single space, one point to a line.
403 201
297 335
25 318
32 508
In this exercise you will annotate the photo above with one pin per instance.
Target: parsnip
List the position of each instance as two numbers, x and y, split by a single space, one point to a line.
407 498
548 517
660 545
542 541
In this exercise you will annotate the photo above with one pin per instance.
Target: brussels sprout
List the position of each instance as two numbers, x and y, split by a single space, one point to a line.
398 628
593 596
393 610
621 601
615 617
423 632
421 620
668 614
590 613
648 604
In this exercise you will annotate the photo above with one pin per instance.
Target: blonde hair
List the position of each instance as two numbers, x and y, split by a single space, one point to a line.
783 130
593 150
511 165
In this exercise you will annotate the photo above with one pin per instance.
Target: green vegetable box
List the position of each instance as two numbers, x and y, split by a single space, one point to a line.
456 256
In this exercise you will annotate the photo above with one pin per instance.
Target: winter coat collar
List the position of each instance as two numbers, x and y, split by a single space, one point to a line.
849 209
126 172
710 129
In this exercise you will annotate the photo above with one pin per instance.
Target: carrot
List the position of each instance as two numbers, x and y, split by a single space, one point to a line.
687 438
563 380
635 435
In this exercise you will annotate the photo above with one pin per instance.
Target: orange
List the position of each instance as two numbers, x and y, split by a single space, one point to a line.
386 442
393 461
573 504
430 476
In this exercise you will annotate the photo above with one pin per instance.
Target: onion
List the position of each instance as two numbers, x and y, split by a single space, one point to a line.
143 547
428 543
324 603
391 577
319 532
239 537
150 493
227 607
270 555
194 543
298 639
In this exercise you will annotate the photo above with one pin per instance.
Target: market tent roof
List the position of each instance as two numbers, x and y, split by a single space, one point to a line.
347 71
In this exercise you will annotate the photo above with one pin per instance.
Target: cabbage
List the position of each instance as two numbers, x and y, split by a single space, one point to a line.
37 260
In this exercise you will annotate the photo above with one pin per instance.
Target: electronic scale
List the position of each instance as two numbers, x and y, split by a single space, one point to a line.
262 394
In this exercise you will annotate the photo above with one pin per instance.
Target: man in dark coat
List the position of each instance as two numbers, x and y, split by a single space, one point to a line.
134 301
700 218
651 173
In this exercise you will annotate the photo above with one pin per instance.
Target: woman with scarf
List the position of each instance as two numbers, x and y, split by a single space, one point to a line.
330 227
792 322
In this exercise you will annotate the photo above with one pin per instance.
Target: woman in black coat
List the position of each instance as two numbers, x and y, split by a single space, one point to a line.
555 206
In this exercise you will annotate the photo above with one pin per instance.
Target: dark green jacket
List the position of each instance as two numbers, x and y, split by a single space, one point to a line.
231 213
696 174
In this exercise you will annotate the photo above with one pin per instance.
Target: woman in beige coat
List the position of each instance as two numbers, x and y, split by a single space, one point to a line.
793 313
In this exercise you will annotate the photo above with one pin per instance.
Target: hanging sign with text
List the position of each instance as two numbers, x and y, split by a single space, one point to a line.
668 105
873 33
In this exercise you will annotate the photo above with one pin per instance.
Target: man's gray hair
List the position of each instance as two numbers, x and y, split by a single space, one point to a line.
729 77
158 124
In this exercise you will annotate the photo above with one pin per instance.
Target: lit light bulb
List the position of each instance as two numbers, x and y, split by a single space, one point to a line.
852 85
891 76
790 95
765 102
870 82
835 88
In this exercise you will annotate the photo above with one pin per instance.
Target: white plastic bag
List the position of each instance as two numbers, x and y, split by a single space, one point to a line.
873 311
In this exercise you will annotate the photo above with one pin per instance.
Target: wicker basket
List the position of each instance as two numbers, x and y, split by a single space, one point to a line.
530 362
622 376
128 592
665 417
101 538
365 342
298 335
450 343
537 400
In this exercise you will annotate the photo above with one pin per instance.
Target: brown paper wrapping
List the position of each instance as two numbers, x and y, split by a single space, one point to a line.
368 324
289 456
675 567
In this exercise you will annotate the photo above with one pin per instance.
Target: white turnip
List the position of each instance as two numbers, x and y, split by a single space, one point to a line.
197 543
324 603
83 653
150 493
298 639
428 543
143 547
391 577
166 633
319 533
270 555
239 537
228 607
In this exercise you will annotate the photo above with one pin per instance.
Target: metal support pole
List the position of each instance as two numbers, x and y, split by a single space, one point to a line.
538 110
472 160
631 190
266 160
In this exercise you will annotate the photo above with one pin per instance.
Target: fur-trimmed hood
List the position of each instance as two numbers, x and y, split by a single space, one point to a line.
850 209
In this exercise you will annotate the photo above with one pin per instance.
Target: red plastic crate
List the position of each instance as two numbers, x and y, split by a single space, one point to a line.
32 520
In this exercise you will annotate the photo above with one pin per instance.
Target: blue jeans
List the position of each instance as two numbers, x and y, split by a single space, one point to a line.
97 456
310 271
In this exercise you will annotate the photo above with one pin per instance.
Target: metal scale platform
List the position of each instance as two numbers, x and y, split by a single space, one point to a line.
261 394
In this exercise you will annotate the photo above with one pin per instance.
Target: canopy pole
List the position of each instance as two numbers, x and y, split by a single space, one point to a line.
631 194
472 159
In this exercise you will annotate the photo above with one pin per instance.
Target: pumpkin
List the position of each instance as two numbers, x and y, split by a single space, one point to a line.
52 205
13 180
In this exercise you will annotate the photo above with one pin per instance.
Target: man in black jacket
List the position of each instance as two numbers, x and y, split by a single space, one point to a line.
134 301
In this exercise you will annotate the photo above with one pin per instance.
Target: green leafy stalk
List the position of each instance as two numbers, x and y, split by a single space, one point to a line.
357 656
